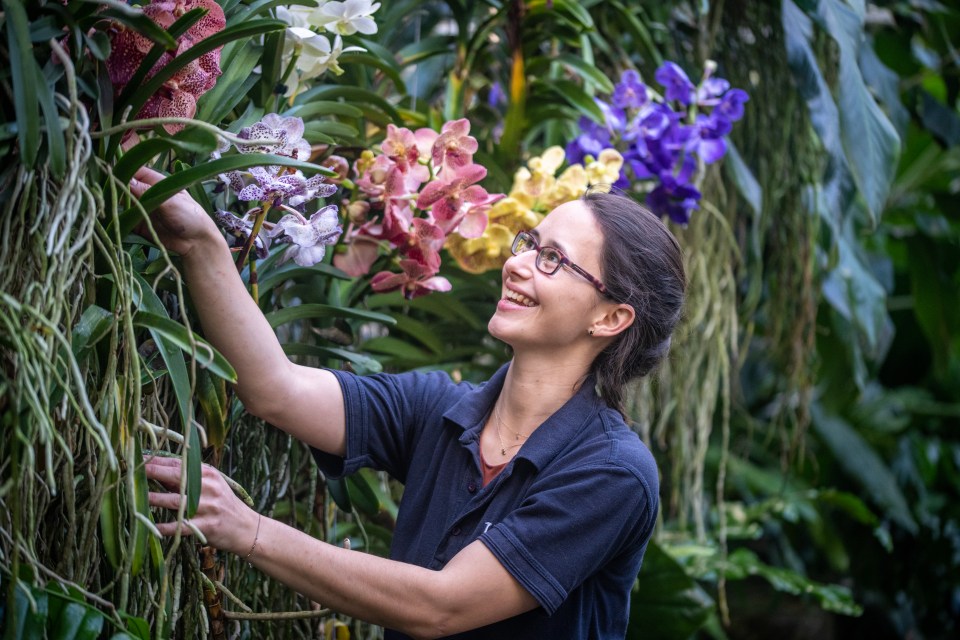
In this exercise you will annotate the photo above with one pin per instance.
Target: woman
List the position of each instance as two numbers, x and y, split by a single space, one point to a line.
528 502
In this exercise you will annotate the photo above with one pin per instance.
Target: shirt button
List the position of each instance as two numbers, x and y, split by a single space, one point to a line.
456 531
472 487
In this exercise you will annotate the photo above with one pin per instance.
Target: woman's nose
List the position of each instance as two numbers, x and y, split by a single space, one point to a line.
521 265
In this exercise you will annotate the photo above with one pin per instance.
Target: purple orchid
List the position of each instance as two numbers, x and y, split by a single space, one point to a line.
277 187
630 93
674 198
675 81
731 104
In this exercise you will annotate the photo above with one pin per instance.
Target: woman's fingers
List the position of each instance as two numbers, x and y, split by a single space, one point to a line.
164 500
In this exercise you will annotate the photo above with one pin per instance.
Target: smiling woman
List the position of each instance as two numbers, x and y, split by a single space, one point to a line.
499 478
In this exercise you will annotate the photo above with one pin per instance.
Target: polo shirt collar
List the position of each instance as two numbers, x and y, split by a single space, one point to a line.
556 433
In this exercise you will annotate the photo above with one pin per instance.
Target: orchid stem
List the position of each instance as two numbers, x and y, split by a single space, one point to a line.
254 283
245 251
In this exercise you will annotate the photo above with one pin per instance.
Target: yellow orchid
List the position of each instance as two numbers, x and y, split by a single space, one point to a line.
606 168
536 191
489 251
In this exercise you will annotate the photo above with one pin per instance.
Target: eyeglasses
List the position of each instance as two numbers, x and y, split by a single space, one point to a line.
550 259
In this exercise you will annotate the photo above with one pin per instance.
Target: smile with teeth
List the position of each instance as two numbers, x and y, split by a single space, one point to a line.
519 298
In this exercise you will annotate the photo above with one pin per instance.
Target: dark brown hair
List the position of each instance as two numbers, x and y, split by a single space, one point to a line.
642 266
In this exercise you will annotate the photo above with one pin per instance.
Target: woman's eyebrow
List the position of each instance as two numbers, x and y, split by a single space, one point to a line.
554 245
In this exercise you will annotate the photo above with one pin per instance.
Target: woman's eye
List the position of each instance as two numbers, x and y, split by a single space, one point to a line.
551 256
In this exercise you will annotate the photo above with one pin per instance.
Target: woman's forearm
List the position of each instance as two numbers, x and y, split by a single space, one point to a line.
393 594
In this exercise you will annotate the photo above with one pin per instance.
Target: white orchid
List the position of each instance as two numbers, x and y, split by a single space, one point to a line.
297 15
316 54
347 18
308 239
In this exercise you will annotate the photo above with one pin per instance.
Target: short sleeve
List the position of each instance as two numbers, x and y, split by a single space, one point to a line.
385 415
565 531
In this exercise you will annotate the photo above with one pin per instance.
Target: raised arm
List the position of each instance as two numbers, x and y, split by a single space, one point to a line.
306 403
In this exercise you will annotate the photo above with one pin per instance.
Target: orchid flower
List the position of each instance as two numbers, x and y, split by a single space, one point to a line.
308 239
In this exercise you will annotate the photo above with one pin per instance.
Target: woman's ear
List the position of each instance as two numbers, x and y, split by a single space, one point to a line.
615 319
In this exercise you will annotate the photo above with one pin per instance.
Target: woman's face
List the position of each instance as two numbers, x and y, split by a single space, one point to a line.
544 311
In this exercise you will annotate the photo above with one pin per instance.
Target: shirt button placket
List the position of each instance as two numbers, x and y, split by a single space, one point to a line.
472 487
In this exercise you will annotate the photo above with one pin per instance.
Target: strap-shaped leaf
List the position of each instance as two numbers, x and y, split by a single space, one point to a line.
285 273
190 140
571 93
136 20
24 71
359 360
304 311
207 357
324 108
354 95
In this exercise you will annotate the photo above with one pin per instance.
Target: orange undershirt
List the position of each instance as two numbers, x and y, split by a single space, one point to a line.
490 471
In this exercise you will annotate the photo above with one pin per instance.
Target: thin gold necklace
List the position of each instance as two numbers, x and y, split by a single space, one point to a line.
503 448
516 436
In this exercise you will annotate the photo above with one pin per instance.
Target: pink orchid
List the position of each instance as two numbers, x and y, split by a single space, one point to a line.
373 178
454 149
424 243
178 95
416 280
362 252
425 139
400 145
448 200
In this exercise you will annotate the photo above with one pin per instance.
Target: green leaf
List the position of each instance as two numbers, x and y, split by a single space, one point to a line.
169 186
292 272
856 294
93 326
77 622
387 66
206 356
24 621
568 91
858 459
743 562
362 495
304 311
744 179
824 116
353 95
399 349
870 142
26 78
666 603
421 332
237 61
359 360
587 71
135 19
190 140
323 108
194 469
569 10
337 487
56 145
426 48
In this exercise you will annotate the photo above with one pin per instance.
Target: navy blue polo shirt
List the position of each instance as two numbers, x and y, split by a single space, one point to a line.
569 517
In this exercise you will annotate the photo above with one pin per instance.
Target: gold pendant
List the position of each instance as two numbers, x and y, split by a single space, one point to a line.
503 451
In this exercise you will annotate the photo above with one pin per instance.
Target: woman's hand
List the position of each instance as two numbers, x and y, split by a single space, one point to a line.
180 222
225 521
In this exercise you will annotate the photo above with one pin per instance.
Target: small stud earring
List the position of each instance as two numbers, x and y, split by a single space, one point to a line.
590 331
